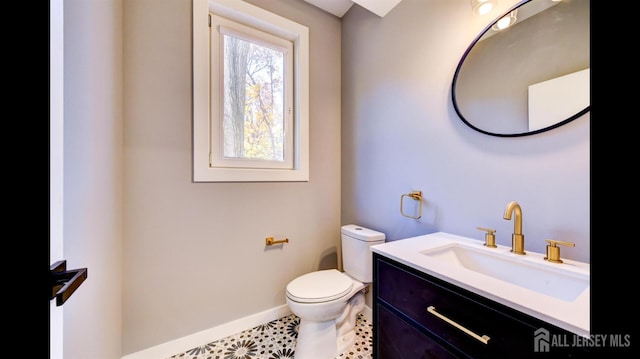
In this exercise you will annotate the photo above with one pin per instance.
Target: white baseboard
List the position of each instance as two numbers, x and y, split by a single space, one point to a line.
177 346
183 344
368 313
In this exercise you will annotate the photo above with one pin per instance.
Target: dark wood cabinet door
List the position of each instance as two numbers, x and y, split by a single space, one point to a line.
397 339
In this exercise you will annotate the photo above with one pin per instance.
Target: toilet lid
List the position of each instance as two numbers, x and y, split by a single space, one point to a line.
319 286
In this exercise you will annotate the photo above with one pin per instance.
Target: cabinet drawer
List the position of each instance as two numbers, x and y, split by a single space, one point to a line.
411 295
397 339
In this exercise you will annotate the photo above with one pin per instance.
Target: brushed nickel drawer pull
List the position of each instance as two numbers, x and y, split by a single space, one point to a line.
485 338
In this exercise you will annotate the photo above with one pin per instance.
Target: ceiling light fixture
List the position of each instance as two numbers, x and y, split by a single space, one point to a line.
481 7
506 21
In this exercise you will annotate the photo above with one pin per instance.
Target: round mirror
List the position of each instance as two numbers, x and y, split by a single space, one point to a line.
529 77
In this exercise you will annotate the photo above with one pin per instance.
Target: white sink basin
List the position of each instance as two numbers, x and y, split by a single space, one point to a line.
540 277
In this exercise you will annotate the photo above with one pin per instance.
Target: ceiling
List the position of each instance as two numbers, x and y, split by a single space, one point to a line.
340 7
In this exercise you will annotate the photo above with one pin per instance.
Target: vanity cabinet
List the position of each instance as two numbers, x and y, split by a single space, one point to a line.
416 315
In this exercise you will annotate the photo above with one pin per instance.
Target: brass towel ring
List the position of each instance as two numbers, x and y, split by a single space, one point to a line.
415 195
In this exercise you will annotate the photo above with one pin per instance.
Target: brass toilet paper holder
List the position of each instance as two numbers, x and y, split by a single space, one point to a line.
270 241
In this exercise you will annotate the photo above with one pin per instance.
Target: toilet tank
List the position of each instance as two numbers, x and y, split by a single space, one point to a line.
356 256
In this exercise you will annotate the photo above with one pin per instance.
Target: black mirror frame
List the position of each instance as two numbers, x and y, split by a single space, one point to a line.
457 72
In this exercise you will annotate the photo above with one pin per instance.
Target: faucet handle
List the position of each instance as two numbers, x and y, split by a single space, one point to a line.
553 251
489 237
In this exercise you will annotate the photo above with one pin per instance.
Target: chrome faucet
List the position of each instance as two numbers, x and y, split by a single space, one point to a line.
517 239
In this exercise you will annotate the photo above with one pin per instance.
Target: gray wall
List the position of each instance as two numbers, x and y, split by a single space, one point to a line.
400 133
194 253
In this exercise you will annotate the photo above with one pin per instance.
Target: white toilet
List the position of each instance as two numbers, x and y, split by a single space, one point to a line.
328 301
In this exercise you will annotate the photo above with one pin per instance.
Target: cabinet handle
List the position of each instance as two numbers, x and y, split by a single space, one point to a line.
485 338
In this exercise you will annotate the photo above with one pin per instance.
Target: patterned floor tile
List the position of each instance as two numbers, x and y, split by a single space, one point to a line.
275 340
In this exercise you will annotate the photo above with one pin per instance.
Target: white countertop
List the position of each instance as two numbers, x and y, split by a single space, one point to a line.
572 316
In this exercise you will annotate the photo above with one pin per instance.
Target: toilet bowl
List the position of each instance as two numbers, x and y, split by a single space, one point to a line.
328 301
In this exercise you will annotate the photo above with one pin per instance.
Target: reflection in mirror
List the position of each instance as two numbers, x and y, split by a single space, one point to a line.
529 77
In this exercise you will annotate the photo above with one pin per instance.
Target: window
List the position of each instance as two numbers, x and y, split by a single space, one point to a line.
250 96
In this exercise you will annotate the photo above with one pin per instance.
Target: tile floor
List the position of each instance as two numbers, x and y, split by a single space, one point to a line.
274 340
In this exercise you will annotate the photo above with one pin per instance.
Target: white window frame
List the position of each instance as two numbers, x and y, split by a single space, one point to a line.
260 19
221 26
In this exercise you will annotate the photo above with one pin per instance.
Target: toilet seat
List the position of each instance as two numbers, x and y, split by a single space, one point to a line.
319 286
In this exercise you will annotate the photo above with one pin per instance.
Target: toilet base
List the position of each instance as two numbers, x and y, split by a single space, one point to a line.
325 340
346 335
316 340
346 341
